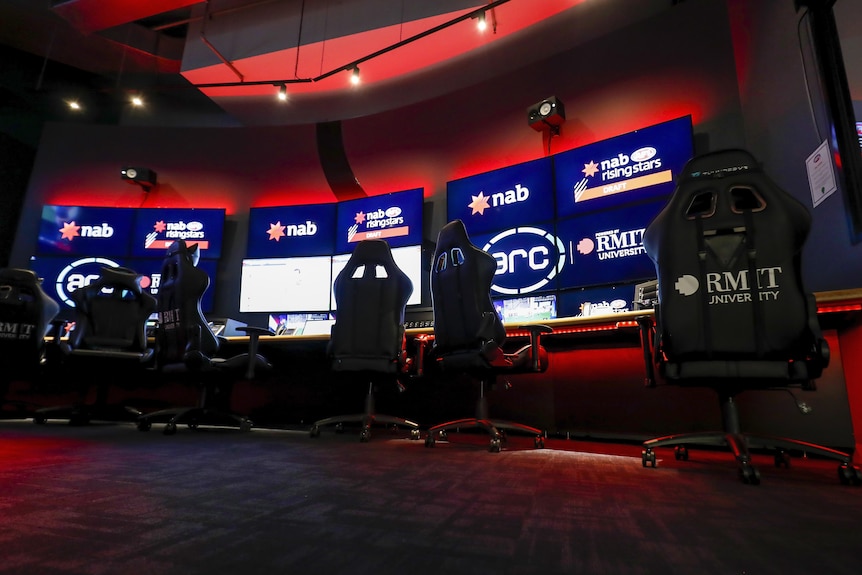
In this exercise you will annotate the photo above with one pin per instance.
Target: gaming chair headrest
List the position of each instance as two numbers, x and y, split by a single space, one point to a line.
124 278
19 276
180 248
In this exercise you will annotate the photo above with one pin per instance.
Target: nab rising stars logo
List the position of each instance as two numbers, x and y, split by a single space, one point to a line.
642 163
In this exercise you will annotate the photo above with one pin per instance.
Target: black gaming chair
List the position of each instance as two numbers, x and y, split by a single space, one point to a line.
733 313
368 335
108 338
26 312
468 333
185 343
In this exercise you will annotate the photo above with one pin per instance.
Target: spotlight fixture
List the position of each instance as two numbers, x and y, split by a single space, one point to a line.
282 92
137 101
354 76
480 22
144 177
548 114
73 105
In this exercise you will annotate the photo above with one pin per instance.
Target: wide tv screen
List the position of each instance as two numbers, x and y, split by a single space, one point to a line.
77 230
285 284
285 231
395 217
635 167
155 229
504 198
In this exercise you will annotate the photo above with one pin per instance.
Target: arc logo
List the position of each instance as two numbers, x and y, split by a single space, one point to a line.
78 274
277 231
72 230
528 258
480 203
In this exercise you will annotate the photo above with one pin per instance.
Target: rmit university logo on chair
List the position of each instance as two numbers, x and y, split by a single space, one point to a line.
733 287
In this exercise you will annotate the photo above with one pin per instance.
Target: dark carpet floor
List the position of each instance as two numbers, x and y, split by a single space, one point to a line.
108 499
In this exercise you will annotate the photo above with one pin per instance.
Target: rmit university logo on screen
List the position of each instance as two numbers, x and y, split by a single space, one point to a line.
528 258
15 330
72 230
733 286
612 244
480 203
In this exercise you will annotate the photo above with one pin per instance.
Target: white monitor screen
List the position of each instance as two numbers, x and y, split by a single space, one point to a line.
285 284
408 259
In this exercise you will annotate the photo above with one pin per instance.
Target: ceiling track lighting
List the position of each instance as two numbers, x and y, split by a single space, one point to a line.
354 76
481 24
479 14
282 92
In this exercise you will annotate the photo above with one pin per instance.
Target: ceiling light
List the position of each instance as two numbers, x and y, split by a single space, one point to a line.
73 105
480 22
137 101
282 92
354 76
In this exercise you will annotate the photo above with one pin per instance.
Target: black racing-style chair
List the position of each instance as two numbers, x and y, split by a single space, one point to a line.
733 313
368 338
107 340
469 334
186 344
26 312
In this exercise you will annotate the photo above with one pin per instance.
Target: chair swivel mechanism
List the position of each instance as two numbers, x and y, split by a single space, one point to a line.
26 312
469 334
185 344
367 338
107 340
732 313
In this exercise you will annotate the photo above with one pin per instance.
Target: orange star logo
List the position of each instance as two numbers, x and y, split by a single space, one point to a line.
160 226
276 231
360 218
69 231
479 204
590 169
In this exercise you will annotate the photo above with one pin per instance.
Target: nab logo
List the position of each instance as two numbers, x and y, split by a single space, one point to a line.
527 259
78 274
482 202
686 285
277 231
71 230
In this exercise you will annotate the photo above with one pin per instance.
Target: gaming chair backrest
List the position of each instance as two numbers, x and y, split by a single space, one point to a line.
26 312
727 210
111 313
371 293
461 278
183 332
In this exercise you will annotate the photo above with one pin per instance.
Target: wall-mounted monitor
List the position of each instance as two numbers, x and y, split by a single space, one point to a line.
606 247
635 167
285 231
504 198
395 217
298 284
407 258
155 229
75 230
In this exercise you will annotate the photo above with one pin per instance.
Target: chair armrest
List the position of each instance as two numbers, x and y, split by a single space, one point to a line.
254 333
535 331
423 340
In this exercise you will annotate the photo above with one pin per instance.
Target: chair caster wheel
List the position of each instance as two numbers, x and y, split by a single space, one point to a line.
849 474
496 445
782 459
539 442
192 424
443 435
339 428
170 428
429 440
414 435
648 458
364 435
245 425
749 474
680 453
145 425
39 419
314 431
